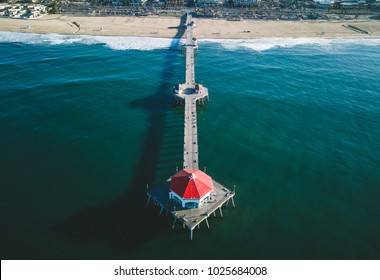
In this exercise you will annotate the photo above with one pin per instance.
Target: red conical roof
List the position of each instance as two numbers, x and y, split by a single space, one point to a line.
191 184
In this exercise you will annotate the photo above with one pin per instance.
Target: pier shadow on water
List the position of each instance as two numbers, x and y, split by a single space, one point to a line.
126 223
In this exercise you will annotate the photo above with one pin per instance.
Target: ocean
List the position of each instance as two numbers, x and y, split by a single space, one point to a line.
86 122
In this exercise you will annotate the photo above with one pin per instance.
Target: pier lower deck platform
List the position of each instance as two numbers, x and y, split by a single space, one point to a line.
191 218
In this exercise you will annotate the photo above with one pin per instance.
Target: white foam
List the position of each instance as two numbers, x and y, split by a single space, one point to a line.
135 43
147 43
264 44
112 42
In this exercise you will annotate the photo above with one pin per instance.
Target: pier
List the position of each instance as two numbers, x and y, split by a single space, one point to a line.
191 93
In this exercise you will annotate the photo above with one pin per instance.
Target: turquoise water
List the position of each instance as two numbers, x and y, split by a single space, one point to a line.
86 122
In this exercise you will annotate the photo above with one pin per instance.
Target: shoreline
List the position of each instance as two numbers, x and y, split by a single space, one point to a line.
166 27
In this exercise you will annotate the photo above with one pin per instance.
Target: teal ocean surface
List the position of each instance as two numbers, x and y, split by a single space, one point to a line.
86 122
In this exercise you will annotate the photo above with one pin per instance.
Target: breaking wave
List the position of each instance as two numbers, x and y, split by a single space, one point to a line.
264 44
112 42
149 43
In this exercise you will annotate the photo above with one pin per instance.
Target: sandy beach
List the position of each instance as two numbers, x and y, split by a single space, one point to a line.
166 27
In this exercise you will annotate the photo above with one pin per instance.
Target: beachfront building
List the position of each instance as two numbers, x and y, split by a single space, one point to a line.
245 3
20 11
4 9
324 3
175 3
208 3
137 2
16 11
350 4
38 8
191 188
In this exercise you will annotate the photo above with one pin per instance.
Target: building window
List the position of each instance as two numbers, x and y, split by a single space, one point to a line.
191 205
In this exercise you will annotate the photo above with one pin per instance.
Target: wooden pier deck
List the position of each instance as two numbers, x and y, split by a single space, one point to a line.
190 149
190 92
190 46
